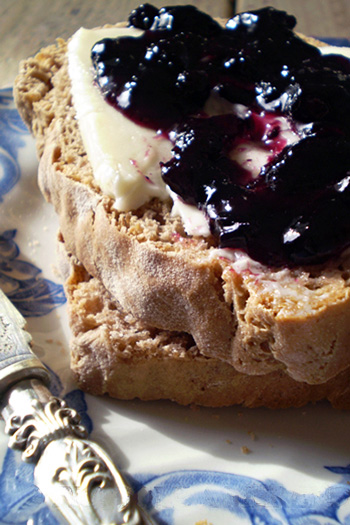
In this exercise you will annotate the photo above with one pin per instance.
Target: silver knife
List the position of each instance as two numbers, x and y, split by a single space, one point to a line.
78 479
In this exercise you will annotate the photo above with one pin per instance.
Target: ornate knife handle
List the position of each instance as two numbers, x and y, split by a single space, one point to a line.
17 361
78 479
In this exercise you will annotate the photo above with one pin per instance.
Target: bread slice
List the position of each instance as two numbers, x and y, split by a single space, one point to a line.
114 353
253 320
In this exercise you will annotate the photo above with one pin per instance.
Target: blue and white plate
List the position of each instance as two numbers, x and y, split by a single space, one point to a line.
188 466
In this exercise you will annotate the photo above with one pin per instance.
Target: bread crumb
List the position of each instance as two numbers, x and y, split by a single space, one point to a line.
228 441
245 450
252 435
34 243
56 271
203 522
49 341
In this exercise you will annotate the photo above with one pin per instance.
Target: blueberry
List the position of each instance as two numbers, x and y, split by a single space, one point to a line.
143 16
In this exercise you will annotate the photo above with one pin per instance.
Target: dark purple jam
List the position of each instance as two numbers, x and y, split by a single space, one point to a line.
296 210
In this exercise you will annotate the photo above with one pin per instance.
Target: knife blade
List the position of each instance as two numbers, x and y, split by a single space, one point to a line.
77 477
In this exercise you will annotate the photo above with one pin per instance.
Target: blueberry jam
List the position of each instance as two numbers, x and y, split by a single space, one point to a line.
281 96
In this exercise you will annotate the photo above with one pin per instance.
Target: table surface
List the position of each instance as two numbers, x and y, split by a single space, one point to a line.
26 26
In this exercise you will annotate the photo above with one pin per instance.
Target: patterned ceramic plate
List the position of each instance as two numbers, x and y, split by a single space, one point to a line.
188 466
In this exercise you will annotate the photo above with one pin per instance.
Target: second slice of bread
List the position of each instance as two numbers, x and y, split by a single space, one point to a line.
114 353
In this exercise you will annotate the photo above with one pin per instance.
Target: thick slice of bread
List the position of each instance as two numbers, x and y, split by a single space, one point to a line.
114 353
264 322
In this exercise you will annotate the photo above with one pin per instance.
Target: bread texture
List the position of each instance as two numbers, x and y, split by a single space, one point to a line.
248 330
114 353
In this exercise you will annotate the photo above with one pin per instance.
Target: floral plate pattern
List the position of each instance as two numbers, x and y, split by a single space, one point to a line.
188 466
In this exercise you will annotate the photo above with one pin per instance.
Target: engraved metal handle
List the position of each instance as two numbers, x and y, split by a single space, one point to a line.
17 361
78 479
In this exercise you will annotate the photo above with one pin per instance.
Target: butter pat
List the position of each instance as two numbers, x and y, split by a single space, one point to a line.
333 50
125 157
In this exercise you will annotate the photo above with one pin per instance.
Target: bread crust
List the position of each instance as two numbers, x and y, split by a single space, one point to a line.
114 353
295 321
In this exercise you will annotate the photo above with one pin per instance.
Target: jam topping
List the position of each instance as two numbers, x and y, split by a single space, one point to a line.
279 93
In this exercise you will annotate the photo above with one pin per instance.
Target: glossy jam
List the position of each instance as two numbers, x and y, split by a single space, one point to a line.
296 211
